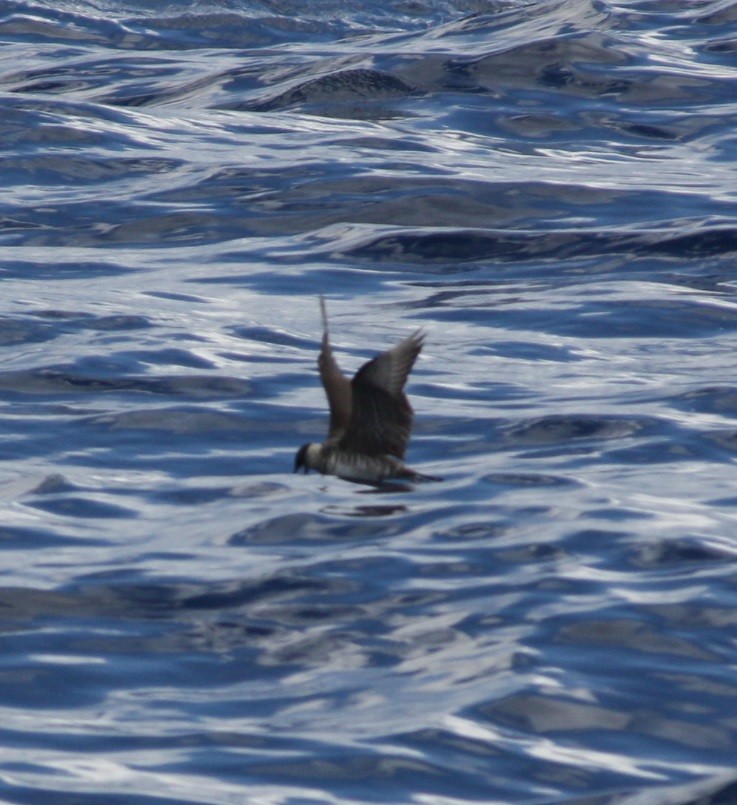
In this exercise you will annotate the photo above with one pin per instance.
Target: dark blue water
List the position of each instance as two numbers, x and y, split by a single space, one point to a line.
549 189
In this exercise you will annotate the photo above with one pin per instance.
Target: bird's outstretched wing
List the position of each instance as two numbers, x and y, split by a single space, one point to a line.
337 386
381 416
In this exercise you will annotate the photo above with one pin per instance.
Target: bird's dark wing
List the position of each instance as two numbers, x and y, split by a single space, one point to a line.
381 416
337 386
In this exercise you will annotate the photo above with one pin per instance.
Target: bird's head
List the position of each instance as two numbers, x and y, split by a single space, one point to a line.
300 460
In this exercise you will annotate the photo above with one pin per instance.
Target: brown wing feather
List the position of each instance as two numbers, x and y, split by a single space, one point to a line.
390 369
381 416
337 386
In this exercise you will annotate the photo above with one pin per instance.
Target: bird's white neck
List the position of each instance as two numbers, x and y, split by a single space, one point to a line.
312 456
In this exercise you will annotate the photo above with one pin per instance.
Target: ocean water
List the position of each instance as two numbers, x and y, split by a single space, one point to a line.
549 189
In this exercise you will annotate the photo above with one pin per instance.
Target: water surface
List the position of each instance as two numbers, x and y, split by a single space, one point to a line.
548 189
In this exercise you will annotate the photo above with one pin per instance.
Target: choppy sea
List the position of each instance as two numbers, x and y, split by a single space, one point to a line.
549 189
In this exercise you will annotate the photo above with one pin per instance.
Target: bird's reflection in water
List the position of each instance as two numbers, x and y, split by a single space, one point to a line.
364 511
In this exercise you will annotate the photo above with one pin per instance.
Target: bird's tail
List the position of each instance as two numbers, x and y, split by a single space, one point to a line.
419 476
413 475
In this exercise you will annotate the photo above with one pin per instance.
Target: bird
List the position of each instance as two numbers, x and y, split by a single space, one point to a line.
370 416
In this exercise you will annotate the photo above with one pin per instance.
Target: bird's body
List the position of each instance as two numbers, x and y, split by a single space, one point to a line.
370 416
330 459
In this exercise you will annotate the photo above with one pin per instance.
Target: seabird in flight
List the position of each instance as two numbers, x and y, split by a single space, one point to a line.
370 416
